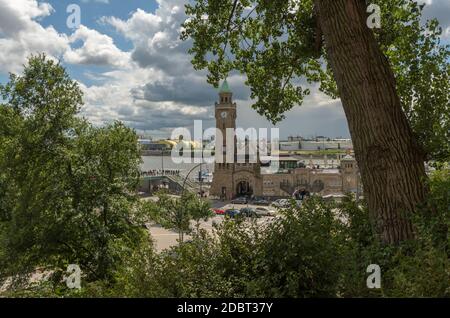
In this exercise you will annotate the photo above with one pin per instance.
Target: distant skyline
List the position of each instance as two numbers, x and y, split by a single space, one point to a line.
145 136
132 66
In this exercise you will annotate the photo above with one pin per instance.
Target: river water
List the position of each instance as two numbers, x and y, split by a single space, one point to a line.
166 163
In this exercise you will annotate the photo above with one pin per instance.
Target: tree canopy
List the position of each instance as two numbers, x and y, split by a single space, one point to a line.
277 46
68 189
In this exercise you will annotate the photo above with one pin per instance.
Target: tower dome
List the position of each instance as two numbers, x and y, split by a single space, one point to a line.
225 88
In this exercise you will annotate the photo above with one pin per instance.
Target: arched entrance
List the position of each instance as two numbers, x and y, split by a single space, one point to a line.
317 186
244 188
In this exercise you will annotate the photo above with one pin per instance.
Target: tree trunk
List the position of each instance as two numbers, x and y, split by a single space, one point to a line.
390 160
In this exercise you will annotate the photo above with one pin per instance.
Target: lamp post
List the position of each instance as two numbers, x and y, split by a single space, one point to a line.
182 194
162 161
187 176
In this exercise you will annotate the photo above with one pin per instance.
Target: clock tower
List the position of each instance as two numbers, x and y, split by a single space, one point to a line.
231 179
225 112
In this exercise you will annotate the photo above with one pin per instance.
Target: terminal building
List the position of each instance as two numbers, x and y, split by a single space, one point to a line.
319 143
234 179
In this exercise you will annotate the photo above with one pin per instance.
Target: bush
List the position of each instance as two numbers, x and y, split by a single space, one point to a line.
317 250
298 255
301 254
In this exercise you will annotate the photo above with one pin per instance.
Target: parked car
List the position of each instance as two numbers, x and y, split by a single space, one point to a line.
249 212
281 203
263 211
219 211
261 202
240 200
232 213
276 203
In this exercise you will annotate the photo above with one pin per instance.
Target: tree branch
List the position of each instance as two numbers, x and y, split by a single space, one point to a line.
318 34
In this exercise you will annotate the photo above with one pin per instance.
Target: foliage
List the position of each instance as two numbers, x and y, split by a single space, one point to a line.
177 213
266 40
301 254
67 188
67 195
418 268
277 46
420 64
318 250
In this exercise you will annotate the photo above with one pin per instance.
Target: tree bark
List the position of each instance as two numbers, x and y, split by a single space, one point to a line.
389 158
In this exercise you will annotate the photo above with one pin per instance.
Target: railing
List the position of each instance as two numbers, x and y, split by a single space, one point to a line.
189 185
176 182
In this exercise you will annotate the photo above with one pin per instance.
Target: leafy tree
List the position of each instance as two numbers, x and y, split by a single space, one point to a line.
104 173
317 250
279 44
198 209
67 188
39 112
170 213
420 64
177 213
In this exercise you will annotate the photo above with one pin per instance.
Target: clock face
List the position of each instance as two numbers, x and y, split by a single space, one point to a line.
224 115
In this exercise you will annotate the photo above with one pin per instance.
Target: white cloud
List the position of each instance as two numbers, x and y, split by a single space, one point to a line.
138 27
97 49
161 90
118 98
154 87
21 34
156 37
439 9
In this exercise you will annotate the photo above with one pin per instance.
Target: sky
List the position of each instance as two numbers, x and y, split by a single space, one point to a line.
132 66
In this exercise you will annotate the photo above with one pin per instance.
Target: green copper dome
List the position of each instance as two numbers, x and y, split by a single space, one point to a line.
225 88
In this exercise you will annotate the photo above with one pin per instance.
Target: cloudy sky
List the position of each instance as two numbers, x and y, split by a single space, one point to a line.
132 66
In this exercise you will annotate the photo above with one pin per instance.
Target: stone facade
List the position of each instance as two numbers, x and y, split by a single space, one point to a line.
232 179
322 181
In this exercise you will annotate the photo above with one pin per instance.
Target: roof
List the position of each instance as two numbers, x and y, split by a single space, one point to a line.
225 88
281 158
173 143
347 157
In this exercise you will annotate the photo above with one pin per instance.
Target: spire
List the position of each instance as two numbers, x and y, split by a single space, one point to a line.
225 94
225 88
